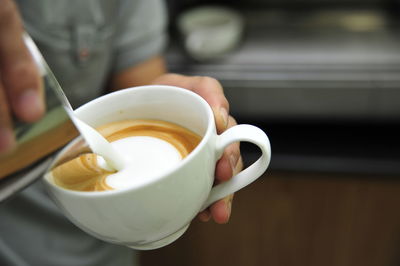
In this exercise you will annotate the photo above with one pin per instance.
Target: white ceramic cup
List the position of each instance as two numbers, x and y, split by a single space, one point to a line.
159 210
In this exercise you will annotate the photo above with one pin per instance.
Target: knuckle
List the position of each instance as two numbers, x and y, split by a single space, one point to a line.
232 121
212 84
236 148
233 149
209 82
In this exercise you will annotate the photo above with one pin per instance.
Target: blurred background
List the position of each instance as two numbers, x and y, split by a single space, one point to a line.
322 78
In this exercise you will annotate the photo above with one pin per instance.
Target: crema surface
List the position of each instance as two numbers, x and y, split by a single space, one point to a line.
149 148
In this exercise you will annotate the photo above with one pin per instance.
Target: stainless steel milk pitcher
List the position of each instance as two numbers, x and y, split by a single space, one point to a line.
36 141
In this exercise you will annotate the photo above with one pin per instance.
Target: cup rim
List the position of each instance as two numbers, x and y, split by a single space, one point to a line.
199 147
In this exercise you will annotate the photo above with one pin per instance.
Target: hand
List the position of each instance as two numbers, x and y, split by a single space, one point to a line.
20 84
230 162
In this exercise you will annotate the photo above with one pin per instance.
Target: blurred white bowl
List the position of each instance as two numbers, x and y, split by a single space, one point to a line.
209 32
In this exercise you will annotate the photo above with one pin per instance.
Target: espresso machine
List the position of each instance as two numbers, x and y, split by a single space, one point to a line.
321 76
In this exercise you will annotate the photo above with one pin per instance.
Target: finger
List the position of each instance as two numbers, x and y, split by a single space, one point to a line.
7 139
222 209
208 88
211 90
19 74
228 163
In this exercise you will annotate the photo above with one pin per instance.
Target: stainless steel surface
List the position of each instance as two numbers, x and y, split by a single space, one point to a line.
14 183
36 141
333 63
49 78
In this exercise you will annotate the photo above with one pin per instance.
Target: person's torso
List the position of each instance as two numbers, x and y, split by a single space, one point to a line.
76 39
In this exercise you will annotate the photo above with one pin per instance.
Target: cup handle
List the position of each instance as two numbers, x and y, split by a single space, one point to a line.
237 133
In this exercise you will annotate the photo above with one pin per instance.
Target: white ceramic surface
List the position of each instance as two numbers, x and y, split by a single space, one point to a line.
159 210
209 32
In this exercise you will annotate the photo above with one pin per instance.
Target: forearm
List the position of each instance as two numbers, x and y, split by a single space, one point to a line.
141 74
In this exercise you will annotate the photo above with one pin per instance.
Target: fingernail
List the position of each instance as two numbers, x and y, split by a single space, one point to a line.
7 140
229 206
31 105
224 116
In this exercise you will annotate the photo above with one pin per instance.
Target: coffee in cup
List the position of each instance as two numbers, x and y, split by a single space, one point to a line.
149 148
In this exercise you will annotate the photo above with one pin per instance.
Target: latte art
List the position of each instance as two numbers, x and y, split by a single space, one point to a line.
155 157
149 148
82 173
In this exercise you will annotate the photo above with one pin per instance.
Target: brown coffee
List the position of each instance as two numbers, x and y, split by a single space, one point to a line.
83 173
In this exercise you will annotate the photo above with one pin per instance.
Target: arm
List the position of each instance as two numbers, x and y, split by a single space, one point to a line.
153 71
138 75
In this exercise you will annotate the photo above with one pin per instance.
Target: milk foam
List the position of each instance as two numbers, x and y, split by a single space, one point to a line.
145 157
